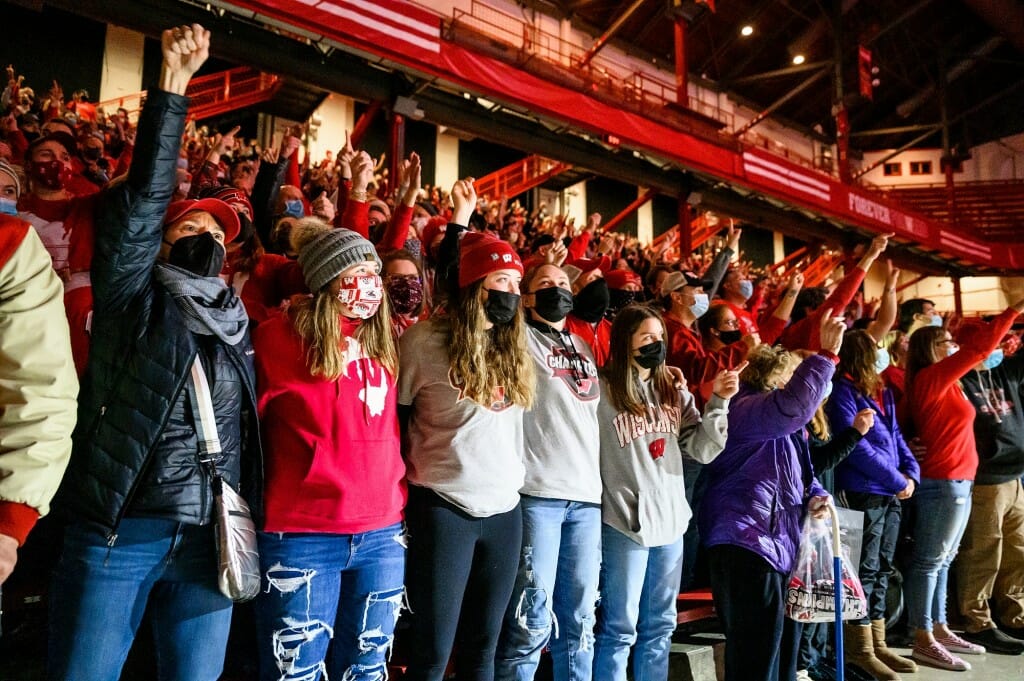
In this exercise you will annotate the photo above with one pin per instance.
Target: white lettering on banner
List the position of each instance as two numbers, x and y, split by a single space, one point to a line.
870 209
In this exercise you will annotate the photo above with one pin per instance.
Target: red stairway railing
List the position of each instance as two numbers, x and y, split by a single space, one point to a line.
518 177
212 95
993 208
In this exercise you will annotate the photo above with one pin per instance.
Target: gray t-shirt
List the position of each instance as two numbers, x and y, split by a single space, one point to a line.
561 431
642 463
470 455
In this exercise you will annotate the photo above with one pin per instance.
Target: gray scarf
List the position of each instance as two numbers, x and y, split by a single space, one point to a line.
210 306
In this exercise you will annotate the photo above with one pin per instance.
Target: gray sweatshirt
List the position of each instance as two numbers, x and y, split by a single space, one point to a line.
561 430
642 463
468 454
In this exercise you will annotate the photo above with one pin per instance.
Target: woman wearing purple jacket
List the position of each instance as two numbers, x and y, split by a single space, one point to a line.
878 473
758 489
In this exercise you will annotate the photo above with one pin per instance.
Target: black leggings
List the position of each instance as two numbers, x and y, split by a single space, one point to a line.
455 558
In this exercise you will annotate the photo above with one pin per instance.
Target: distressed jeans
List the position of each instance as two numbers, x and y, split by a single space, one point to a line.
100 593
329 604
943 507
556 590
639 588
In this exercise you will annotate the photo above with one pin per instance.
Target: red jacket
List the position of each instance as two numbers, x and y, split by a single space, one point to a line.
332 456
699 365
941 414
598 336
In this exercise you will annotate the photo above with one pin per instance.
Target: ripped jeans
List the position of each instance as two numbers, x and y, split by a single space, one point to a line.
555 592
943 507
329 604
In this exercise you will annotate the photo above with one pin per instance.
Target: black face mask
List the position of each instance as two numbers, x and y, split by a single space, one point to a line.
619 299
553 303
591 302
651 355
730 337
247 228
501 306
199 254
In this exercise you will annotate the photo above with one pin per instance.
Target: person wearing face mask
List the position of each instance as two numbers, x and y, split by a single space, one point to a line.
624 288
647 423
403 282
590 299
64 222
991 562
736 291
918 313
466 378
372 217
262 280
877 475
758 490
326 371
10 189
685 301
140 536
561 498
936 409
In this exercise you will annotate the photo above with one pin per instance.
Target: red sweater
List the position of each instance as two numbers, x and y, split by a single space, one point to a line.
333 460
942 416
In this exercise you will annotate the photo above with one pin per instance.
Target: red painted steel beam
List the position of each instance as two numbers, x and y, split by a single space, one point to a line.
628 210
364 122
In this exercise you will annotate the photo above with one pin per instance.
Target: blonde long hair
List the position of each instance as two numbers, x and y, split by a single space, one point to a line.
483 360
318 321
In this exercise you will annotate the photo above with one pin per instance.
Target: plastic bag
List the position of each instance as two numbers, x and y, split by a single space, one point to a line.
810 595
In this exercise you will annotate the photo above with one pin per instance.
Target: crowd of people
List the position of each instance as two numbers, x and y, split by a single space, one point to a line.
444 408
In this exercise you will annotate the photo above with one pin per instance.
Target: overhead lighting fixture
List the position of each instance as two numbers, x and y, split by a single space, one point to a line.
747 30
799 59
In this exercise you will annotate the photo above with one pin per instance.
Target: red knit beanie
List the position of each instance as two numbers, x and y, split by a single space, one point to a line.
481 253
619 279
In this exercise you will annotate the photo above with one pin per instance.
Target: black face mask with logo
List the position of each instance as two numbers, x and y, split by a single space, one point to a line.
592 301
200 254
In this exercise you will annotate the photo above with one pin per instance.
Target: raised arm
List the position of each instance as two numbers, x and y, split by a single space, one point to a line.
886 316
130 216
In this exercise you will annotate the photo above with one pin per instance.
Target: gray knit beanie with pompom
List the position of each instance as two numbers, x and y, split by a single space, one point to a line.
325 252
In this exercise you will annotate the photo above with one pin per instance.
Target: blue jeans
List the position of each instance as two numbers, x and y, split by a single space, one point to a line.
639 588
943 507
348 588
558 571
100 594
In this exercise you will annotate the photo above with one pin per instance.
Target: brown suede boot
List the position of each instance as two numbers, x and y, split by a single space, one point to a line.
860 651
889 658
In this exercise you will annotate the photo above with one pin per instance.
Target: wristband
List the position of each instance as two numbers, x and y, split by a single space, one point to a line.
358 194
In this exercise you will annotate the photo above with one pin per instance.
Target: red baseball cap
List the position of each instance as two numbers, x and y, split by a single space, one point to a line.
588 264
619 279
224 214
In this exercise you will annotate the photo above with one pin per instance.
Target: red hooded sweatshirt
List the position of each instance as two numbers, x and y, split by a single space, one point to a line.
331 447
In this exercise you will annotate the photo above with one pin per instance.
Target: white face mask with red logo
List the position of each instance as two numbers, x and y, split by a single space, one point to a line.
362 295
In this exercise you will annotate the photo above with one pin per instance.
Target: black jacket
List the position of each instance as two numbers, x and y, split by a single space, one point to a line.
998 397
141 355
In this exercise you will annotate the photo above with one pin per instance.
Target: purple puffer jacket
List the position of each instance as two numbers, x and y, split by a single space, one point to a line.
757 487
881 458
